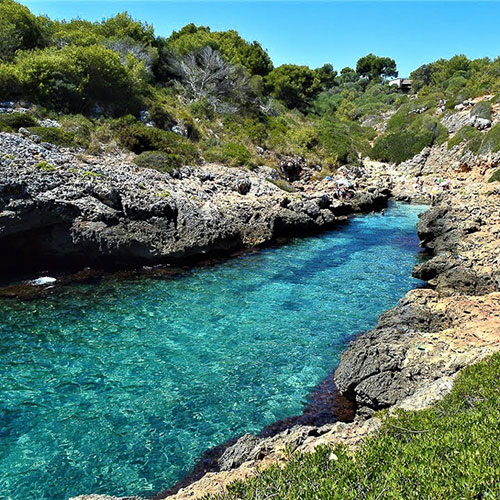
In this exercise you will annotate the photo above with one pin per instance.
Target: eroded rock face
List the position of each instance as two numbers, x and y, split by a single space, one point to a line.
56 205
391 362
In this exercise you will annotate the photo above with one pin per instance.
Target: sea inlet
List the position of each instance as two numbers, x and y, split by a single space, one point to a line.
119 387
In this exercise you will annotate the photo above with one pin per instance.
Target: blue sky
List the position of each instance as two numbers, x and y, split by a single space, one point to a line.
316 32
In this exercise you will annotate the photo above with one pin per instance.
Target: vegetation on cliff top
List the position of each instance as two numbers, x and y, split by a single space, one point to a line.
448 451
221 95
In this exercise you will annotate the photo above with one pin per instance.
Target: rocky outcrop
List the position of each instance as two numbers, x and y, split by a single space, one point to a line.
422 340
470 112
58 206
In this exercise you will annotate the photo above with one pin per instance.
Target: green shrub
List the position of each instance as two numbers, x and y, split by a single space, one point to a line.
10 85
139 138
458 98
80 126
159 160
78 78
202 109
277 128
185 120
495 177
469 137
448 451
400 145
305 138
4 127
455 84
283 185
231 153
407 115
482 110
343 140
14 121
428 102
327 102
91 174
325 141
160 115
54 135
256 132
375 100
439 131
45 166
491 142
336 143
246 129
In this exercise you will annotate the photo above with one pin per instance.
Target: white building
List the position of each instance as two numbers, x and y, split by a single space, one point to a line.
403 84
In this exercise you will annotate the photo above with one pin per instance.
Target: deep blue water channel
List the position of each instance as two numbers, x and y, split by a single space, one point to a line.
119 387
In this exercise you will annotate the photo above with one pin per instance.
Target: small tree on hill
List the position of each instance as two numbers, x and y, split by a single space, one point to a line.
326 75
375 68
294 85
422 76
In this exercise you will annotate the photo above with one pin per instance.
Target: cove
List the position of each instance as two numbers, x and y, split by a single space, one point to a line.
119 387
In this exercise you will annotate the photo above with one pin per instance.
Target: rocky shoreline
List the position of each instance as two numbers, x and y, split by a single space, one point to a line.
415 352
435 332
63 209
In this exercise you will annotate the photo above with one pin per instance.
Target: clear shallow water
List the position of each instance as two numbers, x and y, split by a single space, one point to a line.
119 387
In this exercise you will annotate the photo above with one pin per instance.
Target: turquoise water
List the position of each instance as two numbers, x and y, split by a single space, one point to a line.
119 387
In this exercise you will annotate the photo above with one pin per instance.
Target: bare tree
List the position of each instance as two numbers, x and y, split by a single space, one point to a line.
141 51
204 74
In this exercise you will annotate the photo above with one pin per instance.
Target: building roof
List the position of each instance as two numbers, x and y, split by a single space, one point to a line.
400 81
